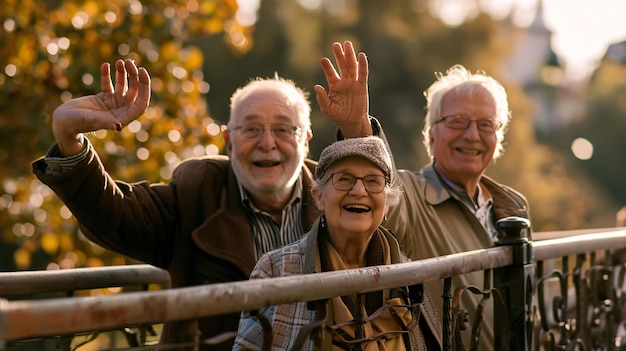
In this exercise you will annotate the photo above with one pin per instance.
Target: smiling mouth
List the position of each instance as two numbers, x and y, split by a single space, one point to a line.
357 208
469 152
266 163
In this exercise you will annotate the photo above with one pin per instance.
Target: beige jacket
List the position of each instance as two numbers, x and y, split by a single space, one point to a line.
430 221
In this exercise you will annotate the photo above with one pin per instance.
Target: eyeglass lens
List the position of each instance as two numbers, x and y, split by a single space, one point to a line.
373 183
463 122
281 131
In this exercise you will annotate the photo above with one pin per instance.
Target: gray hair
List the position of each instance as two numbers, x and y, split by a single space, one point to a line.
461 80
297 98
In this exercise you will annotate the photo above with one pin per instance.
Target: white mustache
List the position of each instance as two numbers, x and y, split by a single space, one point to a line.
265 158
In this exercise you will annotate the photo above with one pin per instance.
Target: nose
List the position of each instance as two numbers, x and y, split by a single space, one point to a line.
472 132
358 187
267 140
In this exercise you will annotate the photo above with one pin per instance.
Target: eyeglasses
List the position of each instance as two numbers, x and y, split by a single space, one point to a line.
373 183
280 131
457 122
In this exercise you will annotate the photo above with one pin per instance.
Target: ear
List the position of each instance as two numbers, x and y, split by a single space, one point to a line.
431 137
309 135
318 199
227 141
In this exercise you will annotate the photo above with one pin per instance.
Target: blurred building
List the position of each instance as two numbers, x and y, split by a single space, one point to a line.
539 70
616 53
612 69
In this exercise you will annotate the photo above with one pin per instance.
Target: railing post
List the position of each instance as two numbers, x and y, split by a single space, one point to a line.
515 283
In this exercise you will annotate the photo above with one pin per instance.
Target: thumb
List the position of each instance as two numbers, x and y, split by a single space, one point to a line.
321 96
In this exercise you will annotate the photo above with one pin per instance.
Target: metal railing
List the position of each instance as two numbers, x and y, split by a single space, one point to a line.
581 297
29 285
70 280
552 302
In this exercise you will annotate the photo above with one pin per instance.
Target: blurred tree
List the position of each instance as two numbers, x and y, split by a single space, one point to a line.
604 125
561 195
51 51
198 54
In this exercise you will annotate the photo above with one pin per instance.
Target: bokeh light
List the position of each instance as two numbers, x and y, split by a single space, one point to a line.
582 148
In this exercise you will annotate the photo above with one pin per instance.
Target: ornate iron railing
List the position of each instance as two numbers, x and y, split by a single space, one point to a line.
559 294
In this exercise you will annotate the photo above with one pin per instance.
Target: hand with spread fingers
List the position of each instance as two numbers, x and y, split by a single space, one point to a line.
346 101
112 108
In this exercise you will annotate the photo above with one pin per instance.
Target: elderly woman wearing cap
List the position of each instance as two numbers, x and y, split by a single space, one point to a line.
354 190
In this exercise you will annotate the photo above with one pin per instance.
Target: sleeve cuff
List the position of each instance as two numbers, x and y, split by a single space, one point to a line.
58 164
375 128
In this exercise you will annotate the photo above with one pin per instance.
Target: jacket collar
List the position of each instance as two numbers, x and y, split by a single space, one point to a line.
435 191
226 234
506 201
311 253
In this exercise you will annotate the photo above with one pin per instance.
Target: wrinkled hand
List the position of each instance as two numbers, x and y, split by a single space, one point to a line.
347 101
112 108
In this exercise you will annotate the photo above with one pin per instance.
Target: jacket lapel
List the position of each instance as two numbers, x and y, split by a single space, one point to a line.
435 193
227 234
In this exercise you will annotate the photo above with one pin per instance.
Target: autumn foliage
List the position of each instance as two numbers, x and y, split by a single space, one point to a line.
50 51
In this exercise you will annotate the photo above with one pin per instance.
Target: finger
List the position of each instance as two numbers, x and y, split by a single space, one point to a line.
321 96
329 71
145 85
105 78
133 80
120 78
363 68
350 58
340 59
142 101
99 122
78 120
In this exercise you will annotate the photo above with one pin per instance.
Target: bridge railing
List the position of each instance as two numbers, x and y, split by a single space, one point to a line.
582 308
68 281
31 285
579 289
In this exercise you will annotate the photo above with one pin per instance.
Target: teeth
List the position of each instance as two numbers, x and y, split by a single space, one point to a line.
357 208
470 152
